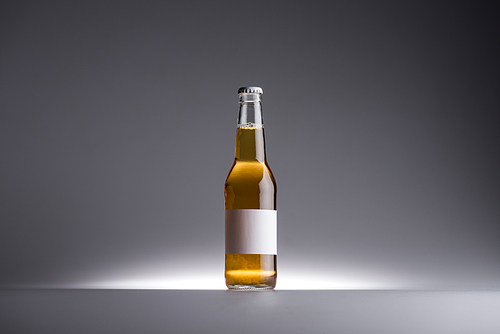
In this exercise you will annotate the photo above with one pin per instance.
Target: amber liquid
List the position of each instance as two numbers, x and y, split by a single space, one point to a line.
250 185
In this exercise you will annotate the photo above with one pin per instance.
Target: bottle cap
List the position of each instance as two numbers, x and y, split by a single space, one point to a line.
250 90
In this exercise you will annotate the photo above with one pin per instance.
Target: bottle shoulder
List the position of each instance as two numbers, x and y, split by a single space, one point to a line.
249 172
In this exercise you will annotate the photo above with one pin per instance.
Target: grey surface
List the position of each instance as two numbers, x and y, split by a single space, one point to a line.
117 129
149 311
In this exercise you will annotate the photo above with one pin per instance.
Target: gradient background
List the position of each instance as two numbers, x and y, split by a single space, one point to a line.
118 123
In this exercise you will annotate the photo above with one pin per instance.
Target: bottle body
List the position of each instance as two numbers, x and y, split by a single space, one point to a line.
251 216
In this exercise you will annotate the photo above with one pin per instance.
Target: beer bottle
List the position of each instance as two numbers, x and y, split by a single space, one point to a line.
250 202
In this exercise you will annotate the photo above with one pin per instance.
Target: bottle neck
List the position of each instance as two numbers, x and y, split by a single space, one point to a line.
250 110
250 143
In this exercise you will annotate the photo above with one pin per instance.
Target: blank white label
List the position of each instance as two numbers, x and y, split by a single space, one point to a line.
251 231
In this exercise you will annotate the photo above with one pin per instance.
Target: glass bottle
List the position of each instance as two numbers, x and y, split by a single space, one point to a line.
250 202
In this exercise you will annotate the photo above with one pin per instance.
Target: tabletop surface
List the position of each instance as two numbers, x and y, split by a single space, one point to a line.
281 311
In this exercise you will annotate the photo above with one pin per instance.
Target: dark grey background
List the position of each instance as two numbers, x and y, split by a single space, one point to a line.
117 132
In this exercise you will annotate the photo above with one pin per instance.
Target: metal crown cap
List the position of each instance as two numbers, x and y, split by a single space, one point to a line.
250 90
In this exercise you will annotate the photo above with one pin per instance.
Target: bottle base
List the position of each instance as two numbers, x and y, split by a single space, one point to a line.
249 287
250 271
